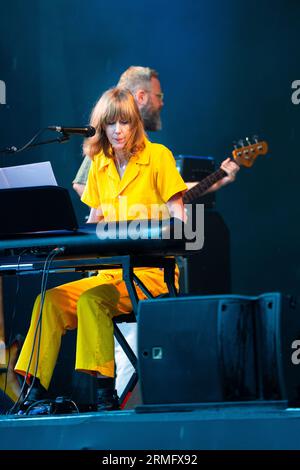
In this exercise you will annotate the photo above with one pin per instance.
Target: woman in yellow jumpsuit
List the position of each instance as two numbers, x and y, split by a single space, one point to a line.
128 174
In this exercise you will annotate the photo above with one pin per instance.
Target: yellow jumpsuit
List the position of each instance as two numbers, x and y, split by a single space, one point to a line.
89 304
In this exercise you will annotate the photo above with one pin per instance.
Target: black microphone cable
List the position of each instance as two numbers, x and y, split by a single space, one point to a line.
38 330
9 342
25 146
20 400
31 143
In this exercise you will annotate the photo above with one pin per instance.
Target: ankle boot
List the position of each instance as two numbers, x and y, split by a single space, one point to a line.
107 399
34 394
37 392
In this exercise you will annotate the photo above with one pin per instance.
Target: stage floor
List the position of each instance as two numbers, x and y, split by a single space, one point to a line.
237 426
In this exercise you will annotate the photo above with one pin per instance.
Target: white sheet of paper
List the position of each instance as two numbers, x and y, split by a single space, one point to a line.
23 176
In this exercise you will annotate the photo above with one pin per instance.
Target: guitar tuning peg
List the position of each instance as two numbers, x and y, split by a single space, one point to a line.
255 138
248 141
241 143
234 144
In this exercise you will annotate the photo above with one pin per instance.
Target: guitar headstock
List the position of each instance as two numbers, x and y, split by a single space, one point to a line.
245 155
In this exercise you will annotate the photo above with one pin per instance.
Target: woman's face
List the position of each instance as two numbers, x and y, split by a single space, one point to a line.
118 133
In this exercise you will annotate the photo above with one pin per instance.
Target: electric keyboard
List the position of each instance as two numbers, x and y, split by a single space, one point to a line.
159 238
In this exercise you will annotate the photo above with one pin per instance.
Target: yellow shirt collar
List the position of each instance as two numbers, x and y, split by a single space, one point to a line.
142 158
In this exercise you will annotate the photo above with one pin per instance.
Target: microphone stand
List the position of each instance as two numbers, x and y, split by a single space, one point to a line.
60 140
13 150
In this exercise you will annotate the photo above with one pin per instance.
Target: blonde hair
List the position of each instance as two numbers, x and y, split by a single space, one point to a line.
136 77
115 104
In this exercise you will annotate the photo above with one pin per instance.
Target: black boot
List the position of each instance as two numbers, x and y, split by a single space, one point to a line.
33 403
36 392
107 398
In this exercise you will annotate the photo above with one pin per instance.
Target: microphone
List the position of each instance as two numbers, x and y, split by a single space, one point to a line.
87 131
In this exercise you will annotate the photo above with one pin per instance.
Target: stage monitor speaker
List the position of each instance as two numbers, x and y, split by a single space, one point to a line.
278 329
196 349
218 348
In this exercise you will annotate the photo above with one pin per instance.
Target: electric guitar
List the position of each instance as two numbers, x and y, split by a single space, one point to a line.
243 156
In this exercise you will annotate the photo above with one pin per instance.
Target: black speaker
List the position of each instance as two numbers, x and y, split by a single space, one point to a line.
208 271
218 348
196 349
277 328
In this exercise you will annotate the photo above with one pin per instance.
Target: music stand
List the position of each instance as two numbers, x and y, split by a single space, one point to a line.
36 209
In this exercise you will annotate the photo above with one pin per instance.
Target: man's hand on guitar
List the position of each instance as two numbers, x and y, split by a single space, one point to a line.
243 156
231 168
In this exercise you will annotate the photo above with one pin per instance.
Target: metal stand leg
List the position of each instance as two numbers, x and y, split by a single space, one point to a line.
169 277
132 281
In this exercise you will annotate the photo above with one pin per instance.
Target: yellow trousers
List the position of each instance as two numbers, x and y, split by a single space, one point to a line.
88 305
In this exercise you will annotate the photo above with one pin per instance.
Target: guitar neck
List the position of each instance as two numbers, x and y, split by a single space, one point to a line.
200 188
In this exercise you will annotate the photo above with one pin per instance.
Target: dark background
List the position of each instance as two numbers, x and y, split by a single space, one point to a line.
226 68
